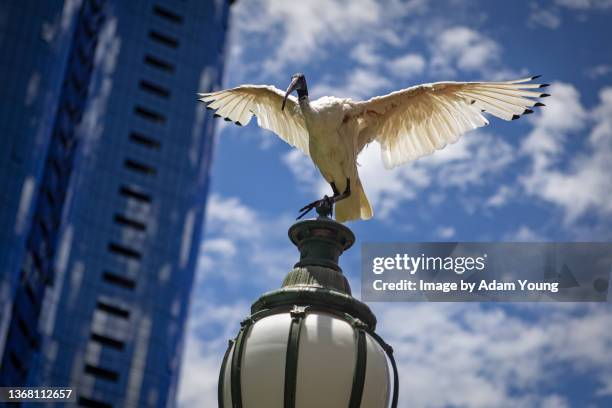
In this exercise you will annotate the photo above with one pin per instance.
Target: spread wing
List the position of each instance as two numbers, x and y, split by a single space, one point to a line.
416 121
241 103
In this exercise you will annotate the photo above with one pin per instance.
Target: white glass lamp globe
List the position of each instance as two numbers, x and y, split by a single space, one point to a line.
325 369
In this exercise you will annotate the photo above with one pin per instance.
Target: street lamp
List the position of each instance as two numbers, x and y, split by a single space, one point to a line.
310 344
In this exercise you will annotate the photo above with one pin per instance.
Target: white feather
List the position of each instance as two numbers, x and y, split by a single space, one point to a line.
439 114
241 103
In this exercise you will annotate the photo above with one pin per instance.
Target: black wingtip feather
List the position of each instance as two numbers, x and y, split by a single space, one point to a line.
544 85
539 104
209 108
216 115
238 123
535 77
515 117
527 112
544 95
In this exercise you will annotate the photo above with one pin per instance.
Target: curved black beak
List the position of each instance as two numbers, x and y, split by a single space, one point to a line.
289 90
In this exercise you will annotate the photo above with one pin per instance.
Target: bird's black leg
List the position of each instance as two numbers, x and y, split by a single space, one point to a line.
345 194
326 204
334 189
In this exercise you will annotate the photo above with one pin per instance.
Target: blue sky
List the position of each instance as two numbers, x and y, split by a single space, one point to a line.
545 177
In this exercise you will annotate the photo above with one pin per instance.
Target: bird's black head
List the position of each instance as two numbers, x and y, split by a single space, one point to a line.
298 83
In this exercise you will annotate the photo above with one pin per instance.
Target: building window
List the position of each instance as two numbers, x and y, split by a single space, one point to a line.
118 280
113 309
159 63
79 87
102 373
124 251
30 293
167 14
92 403
50 198
36 259
128 222
145 141
163 39
149 115
107 341
43 228
138 167
57 168
130 192
154 89
23 327
16 361
83 57
66 141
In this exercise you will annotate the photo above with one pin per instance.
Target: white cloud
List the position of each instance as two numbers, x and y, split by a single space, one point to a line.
606 389
231 217
302 168
478 156
232 227
501 196
578 180
585 4
221 246
564 111
598 71
300 29
407 66
445 232
548 18
523 234
210 327
300 32
463 48
469 355
563 114
365 53
359 83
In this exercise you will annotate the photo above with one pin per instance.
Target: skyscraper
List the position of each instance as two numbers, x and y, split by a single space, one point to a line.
104 175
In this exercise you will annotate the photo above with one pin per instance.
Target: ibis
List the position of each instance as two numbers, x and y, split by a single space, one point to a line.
408 124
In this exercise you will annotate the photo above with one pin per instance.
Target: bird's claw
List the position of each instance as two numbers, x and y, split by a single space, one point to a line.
324 202
309 206
304 212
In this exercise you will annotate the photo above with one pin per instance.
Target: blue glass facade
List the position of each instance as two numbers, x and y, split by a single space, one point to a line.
36 269
96 287
32 67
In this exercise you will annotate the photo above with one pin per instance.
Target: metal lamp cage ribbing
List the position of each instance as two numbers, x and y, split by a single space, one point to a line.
314 294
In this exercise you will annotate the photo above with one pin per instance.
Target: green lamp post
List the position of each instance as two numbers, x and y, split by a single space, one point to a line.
310 343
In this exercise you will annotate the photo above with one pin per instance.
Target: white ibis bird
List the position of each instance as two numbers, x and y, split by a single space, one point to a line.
408 124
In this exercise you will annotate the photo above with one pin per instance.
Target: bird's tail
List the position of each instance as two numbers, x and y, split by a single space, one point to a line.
354 207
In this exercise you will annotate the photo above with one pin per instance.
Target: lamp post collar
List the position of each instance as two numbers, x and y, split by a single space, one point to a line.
317 279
